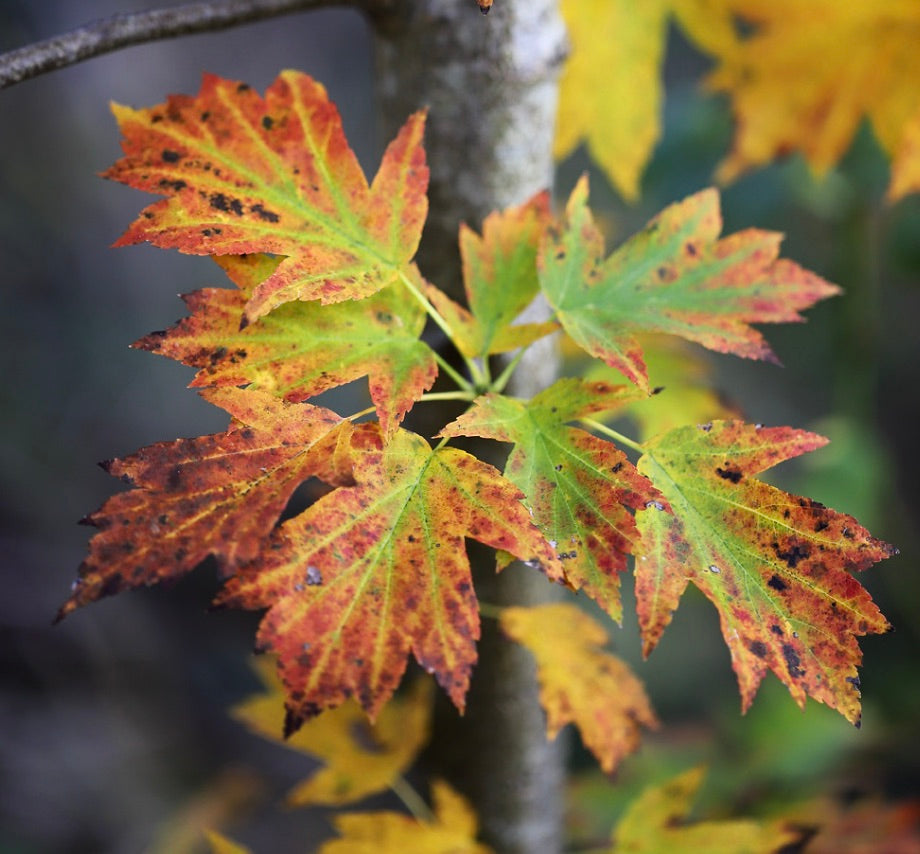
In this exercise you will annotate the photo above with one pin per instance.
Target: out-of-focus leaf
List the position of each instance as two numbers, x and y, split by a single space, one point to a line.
361 758
580 683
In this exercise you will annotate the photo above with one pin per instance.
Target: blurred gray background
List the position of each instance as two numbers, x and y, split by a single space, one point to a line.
114 736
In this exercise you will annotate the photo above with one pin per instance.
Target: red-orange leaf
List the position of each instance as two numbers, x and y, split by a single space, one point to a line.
581 488
580 683
777 567
215 495
246 174
676 277
303 348
372 572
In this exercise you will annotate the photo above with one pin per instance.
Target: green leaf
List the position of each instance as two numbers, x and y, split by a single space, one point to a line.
579 487
676 277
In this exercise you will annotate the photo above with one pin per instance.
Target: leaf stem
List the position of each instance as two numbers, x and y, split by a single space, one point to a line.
367 411
453 373
412 800
447 395
504 377
613 434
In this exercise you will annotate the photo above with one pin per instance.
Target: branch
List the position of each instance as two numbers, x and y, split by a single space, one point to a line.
124 29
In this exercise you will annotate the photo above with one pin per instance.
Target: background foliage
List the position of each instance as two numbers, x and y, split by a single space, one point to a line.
116 735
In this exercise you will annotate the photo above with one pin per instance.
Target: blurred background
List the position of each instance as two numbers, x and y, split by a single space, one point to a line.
115 736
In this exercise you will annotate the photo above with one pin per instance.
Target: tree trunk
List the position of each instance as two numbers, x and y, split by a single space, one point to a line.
491 86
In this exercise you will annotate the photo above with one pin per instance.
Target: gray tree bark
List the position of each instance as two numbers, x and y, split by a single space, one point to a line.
491 87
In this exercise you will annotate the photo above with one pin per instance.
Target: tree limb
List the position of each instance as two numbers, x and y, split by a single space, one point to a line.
125 29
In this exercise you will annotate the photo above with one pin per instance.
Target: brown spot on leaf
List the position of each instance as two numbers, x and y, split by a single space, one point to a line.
170 156
758 648
777 583
729 472
793 662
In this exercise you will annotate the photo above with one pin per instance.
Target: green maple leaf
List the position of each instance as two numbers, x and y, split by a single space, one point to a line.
579 487
677 277
500 279
303 348
249 174
372 572
777 567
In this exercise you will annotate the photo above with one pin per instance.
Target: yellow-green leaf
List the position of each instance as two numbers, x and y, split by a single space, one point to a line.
656 823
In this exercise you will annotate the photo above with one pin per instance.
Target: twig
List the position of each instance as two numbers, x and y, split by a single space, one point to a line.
124 29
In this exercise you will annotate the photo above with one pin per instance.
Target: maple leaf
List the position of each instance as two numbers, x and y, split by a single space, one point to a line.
805 75
676 276
578 486
215 495
657 821
245 174
776 566
303 348
452 830
579 682
360 758
371 572
611 87
500 280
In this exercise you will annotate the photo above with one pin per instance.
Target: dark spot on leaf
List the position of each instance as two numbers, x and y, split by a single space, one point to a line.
176 184
267 122
821 525
313 577
220 202
263 214
170 156
759 648
793 662
854 681
777 583
558 467
243 87
847 533
729 473
776 629
156 117
690 248
174 478
705 427
205 116
560 255
247 433
617 468
795 553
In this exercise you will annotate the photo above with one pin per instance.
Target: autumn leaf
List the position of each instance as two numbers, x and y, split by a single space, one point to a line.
221 845
452 830
905 164
777 567
245 174
657 821
360 758
611 89
215 495
580 683
372 572
677 277
804 76
579 487
500 279
303 348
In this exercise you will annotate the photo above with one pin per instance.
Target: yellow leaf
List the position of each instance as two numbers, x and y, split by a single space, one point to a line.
809 73
221 845
360 758
656 822
610 88
581 683
905 167
452 831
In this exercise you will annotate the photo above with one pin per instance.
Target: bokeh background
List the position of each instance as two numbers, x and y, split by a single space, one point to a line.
113 728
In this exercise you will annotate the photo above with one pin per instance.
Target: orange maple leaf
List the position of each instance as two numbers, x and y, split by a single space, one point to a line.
246 174
373 571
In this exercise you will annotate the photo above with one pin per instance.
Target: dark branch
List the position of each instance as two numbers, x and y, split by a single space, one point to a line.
126 29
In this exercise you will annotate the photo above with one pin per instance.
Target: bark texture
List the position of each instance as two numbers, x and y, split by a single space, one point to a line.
491 86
